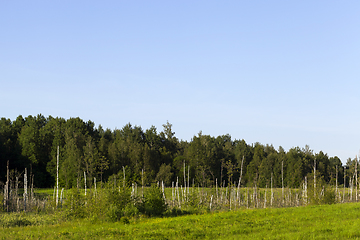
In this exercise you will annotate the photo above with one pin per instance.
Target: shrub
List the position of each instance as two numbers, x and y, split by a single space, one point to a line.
76 204
131 210
153 203
329 196
114 213
116 203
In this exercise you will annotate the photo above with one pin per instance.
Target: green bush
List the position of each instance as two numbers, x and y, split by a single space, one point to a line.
117 201
153 203
114 213
323 195
75 204
329 196
131 210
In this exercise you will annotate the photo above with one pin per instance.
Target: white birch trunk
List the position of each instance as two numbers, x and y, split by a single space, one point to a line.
57 177
85 182
314 178
282 181
25 189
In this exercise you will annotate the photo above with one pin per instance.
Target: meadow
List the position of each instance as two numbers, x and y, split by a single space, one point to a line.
337 221
131 212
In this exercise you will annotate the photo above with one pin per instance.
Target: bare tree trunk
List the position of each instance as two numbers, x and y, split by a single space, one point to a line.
188 179
184 178
314 178
344 184
282 180
32 199
305 191
142 181
25 189
265 196
271 192
94 186
85 182
242 161
16 193
336 186
57 177
356 180
6 190
124 177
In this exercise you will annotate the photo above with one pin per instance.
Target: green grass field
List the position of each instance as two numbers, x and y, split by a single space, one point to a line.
340 221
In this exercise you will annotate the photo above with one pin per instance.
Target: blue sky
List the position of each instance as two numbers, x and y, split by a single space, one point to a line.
276 72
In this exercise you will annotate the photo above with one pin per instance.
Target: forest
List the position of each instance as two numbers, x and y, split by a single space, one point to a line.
148 156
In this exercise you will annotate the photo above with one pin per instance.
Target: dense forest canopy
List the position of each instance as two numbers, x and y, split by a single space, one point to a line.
150 156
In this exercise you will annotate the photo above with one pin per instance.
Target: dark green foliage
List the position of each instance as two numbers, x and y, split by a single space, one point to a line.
164 174
149 156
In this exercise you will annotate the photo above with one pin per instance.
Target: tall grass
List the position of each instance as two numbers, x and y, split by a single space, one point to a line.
119 200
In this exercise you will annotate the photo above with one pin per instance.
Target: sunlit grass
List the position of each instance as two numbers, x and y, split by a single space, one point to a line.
339 221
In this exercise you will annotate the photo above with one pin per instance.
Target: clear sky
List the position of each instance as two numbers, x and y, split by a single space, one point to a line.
285 73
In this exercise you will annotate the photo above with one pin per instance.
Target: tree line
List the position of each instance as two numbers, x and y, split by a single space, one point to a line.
147 156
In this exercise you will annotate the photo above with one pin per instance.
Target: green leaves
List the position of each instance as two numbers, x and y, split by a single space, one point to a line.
150 156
